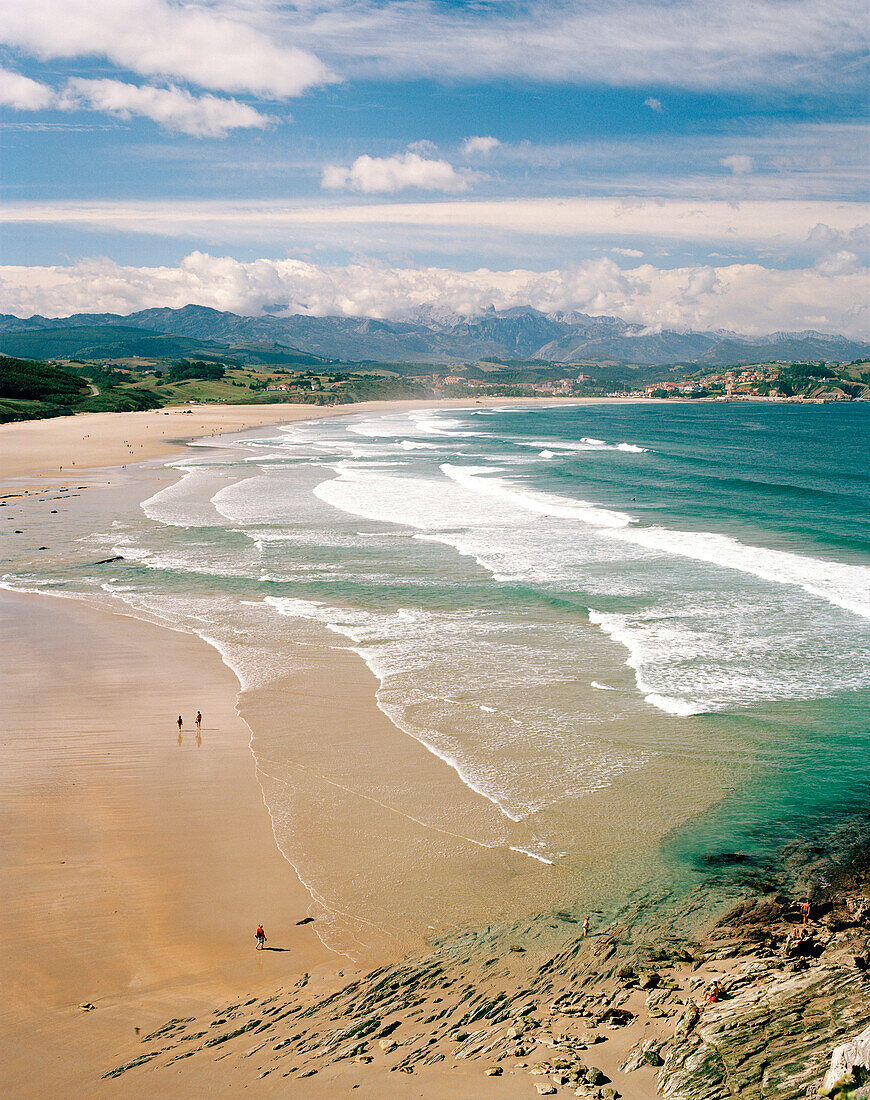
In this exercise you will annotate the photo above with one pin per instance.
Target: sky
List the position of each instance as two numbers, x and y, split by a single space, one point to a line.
679 163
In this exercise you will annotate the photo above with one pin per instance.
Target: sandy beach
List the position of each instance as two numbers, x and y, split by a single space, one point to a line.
136 861
70 444
136 864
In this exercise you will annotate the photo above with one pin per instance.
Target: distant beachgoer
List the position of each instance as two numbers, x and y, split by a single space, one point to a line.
198 720
586 927
261 937
805 910
180 723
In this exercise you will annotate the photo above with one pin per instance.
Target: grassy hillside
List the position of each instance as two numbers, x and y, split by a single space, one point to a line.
26 379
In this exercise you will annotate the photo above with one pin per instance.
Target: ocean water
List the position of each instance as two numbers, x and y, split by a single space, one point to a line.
635 626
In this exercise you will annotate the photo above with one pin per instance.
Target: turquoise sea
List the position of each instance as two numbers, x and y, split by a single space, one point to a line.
636 626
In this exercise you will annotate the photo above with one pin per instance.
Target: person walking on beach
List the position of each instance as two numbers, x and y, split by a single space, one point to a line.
198 721
180 723
261 937
586 927
805 911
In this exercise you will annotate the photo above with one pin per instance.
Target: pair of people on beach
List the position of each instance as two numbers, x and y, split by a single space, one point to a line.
198 721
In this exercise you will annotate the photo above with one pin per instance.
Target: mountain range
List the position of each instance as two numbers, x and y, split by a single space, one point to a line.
520 333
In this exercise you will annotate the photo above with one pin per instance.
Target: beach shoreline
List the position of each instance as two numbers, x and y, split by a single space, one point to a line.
140 865
137 860
71 445
131 934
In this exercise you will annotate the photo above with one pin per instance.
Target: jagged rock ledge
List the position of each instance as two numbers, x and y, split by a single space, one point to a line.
594 1017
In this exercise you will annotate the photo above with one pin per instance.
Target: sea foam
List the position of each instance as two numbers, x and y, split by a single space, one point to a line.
845 586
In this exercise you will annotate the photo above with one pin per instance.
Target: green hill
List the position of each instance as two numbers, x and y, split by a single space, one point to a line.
31 390
25 379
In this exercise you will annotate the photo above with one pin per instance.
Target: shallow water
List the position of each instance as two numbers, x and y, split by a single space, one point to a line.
637 634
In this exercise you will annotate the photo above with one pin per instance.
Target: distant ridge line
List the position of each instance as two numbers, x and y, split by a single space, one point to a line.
520 332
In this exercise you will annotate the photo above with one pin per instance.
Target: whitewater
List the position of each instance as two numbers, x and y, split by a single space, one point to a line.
567 607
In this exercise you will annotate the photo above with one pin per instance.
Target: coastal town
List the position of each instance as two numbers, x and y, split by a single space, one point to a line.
785 381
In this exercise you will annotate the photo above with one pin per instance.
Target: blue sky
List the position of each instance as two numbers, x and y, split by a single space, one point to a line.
685 164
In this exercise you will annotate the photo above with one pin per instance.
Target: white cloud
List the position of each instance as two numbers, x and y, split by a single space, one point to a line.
839 263
633 253
778 223
196 43
273 47
536 229
653 104
746 297
396 173
174 108
739 164
479 146
24 94
701 280
667 43
422 146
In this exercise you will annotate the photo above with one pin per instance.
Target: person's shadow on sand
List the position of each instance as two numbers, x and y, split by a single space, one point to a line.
276 949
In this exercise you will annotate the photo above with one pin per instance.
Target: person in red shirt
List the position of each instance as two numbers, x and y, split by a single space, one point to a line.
261 937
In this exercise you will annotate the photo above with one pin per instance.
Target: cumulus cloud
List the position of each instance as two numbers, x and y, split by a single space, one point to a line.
396 173
24 94
479 146
746 297
839 263
634 253
738 163
702 280
195 43
173 108
653 103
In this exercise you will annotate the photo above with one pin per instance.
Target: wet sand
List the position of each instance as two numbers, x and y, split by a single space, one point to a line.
134 868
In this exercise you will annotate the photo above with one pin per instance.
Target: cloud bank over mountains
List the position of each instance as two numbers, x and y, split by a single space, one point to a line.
715 148
744 297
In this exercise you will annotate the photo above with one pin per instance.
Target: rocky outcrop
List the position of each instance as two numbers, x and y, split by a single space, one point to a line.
850 1067
768 1037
